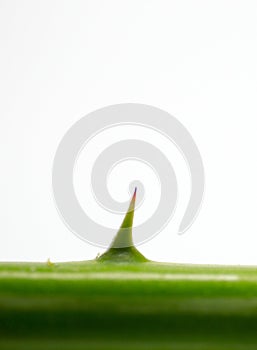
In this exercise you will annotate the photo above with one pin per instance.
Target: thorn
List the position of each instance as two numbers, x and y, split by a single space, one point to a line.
135 193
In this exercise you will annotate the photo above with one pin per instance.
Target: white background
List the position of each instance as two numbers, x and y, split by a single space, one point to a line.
60 60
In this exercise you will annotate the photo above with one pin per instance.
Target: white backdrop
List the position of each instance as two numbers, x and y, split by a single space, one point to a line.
60 60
